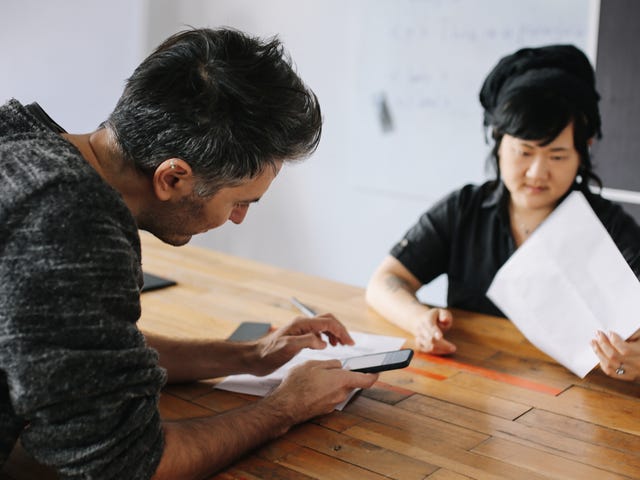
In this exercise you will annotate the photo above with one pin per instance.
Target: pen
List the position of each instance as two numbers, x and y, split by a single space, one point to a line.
302 307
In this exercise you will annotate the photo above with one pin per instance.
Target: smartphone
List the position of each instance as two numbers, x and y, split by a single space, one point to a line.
154 282
247 331
378 362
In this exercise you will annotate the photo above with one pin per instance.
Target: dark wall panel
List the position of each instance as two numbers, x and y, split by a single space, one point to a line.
617 154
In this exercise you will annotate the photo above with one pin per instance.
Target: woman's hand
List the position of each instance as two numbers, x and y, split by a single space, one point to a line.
430 332
618 358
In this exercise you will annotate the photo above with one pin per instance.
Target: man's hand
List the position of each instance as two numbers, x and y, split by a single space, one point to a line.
197 447
316 387
280 346
429 335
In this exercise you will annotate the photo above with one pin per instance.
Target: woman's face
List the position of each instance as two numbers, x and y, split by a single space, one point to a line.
538 176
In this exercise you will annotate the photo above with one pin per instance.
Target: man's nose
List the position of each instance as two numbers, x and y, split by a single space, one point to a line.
238 214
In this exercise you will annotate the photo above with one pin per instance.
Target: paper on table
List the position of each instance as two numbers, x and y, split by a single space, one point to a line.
364 344
567 281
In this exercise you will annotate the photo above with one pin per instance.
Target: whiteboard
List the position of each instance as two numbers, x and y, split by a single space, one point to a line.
416 117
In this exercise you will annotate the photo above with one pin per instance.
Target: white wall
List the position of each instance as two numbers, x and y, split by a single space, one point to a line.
70 56
337 214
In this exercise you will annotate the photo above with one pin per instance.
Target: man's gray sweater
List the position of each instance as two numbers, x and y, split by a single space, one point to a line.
77 383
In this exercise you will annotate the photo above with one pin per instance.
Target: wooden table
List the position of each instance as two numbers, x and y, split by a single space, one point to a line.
497 409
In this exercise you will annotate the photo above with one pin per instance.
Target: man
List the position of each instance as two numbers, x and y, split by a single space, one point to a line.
201 130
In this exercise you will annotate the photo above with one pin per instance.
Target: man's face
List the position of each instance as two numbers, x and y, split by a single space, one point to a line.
178 220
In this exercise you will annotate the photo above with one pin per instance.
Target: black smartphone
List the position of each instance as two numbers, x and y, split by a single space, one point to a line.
247 331
378 362
154 282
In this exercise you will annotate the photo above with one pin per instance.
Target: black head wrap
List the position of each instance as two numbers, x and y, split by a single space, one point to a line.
563 69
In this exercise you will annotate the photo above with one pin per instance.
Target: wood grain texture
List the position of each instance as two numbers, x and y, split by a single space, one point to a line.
478 414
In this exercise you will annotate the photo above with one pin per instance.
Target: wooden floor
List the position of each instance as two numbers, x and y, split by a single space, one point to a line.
497 409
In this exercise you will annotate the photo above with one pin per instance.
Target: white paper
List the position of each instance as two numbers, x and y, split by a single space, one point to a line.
567 281
364 344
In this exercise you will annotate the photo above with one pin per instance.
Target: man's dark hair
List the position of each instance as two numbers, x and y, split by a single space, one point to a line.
535 93
226 103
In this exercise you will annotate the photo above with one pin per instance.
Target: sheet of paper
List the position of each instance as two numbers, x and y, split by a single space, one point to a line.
567 281
364 344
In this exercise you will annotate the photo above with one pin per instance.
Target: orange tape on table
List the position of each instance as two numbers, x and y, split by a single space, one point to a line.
426 373
492 374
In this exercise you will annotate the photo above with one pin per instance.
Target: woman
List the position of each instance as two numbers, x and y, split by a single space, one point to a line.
541 108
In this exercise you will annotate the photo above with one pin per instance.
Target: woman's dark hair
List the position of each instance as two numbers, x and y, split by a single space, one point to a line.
535 93
226 103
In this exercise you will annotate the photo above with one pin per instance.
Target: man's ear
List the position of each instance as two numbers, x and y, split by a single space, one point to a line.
173 178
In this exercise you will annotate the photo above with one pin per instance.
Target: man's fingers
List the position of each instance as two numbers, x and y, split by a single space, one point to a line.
326 364
351 379
308 340
362 380
325 323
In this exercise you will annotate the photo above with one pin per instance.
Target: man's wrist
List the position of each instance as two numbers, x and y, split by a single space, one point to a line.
281 411
248 354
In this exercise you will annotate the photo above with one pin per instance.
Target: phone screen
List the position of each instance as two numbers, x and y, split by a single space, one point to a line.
378 362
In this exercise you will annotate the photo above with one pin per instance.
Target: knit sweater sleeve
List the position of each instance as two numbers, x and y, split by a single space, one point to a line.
78 370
